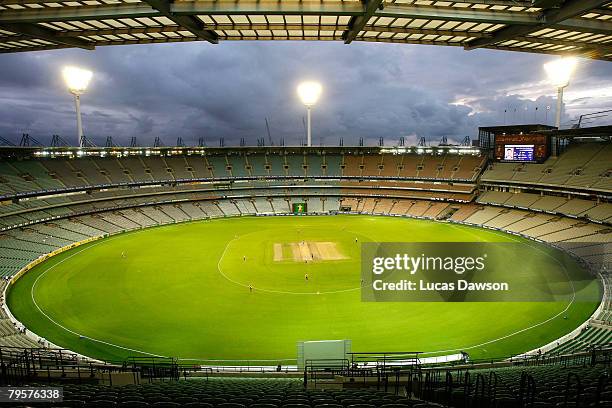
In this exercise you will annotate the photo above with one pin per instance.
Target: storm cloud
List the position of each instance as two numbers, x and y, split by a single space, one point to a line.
370 91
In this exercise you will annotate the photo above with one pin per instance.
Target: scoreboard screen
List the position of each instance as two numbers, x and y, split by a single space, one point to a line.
518 152
299 208
522 147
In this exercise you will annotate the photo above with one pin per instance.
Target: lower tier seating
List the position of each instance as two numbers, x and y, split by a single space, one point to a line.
546 386
20 246
589 338
573 207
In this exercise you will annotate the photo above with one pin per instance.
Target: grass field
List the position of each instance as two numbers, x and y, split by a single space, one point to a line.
182 291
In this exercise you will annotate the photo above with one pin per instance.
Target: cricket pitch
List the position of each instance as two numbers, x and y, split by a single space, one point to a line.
306 251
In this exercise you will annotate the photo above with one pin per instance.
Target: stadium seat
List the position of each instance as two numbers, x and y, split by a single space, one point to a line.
101 404
73 403
231 405
348 401
132 403
168 404
213 400
185 400
295 401
295 405
326 405
270 401
243 401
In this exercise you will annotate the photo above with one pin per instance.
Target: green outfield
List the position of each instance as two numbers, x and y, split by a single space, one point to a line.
183 291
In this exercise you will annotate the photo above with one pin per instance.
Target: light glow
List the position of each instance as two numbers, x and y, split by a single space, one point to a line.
560 71
77 79
309 92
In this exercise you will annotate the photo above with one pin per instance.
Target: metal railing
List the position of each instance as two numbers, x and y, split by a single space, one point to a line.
22 366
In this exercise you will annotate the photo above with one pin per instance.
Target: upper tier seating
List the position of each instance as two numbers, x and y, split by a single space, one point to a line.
23 176
585 166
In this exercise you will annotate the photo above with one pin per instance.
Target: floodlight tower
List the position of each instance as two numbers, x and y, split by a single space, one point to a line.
77 80
559 73
309 93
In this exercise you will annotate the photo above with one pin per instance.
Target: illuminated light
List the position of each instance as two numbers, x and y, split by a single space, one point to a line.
560 71
309 92
77 79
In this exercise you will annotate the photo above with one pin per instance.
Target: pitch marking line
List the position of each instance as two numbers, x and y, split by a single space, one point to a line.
571 302
103 240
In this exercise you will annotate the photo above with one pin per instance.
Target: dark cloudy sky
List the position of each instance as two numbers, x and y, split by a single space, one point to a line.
371 90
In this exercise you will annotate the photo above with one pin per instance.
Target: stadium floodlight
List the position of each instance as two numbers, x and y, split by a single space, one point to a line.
77 80
309 93
559 73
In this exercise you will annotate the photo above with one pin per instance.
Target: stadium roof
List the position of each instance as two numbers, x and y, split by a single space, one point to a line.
515 129
604 132
579 27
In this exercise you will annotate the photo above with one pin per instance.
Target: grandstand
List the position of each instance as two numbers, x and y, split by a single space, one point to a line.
583 167
55 198
288 392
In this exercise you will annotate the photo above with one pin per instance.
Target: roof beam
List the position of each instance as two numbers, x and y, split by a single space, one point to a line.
120 31
458 14
601 47
604 12
408 41
426 31
271 7
191 23
219 26
38 32
547 3
30 49
586 54
147 41
272 26
509 3
358 22
50 14
569 10
205 7
583 25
